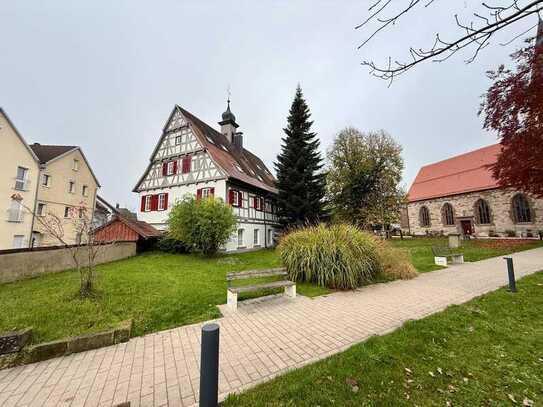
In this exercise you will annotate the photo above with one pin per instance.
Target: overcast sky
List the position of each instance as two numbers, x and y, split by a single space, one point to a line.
105 75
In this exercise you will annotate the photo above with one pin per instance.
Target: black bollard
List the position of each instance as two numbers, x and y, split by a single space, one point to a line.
209 366
511 274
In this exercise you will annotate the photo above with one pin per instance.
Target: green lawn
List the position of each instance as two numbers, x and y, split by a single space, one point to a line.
487 352
158 290
473 250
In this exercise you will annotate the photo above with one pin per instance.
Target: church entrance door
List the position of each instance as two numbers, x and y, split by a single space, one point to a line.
467 227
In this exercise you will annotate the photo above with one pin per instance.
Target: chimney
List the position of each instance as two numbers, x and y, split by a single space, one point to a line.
238 140
228 124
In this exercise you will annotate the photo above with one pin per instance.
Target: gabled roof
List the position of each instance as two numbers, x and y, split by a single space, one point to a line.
238 163
49 152
464 173
142 228
34 156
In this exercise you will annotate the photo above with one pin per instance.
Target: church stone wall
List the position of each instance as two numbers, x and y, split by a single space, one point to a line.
463 205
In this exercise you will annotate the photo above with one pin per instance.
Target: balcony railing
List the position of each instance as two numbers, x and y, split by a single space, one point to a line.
22 184
15 215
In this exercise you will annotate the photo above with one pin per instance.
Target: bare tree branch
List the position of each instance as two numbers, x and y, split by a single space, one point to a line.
476 35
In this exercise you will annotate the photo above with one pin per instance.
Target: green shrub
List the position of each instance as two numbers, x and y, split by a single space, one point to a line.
339 257
168 244
203 225
510 233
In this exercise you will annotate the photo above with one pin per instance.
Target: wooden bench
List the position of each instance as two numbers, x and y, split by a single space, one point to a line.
232 292
443 254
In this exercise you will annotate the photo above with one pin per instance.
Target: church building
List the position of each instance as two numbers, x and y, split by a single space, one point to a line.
460 195
191 157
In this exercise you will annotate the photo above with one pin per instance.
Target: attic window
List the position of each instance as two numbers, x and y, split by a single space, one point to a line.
238 167
224 147
210 140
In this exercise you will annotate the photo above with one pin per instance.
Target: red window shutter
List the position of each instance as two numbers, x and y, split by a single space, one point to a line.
240 199
165 201
199 193
212 191
142 203
154 202
231 197
186 163
175 167
164 169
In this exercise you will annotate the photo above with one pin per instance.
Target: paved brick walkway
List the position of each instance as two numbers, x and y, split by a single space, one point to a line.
263 339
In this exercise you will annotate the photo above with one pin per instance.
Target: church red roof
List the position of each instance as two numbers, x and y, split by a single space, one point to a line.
464 173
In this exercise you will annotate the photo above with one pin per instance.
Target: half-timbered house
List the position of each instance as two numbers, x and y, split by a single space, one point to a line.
191 157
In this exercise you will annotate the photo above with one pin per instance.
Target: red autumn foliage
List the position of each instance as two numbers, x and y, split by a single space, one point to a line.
513 108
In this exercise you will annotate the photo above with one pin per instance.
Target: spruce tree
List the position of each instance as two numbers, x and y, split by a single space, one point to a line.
300 180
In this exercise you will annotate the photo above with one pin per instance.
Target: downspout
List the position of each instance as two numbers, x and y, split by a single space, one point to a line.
30 242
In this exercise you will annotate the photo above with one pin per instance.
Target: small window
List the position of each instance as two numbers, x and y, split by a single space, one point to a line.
71 187
448 214
270 237
66 211
80 213
161 202
206 193
46 180
521 209
18 241
147 206
75 165
85 190
482 212
237 198
240 237
424 217
177 140
20 180
256 237
41 209
171 168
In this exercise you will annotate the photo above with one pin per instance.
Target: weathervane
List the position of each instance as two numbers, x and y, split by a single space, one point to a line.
228 93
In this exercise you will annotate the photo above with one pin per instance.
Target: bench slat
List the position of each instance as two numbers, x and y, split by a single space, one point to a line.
242 275
275 284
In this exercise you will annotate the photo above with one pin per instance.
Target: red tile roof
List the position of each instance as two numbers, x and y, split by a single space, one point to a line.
140 227
464 173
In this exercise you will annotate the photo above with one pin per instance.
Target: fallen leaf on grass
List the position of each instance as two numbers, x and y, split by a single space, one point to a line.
527 402
439 370
432 374
512 398
351 382
408 371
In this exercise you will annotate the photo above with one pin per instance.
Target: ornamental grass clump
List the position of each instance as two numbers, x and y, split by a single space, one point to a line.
338 257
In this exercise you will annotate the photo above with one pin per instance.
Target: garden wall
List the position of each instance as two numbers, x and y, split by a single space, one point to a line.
19 264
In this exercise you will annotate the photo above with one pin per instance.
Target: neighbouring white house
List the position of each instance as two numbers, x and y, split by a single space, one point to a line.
191 157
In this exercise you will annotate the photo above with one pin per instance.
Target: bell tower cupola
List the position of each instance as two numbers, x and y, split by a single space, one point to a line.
228 124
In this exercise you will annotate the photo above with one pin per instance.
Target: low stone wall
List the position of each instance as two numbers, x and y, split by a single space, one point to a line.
25 263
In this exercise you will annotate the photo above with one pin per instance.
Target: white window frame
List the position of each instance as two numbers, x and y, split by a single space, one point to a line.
21 238
147 206
85 190
43 209
270 237
20 183
46 180
161 202
169 168
15 211
241 239
75 165
206 193
236 199
256 237
178 140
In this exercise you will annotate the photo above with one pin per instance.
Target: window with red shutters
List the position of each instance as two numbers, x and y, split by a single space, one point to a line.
186 164
165 201
240 199
199 193
231 197
164 169
212 191
175 167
